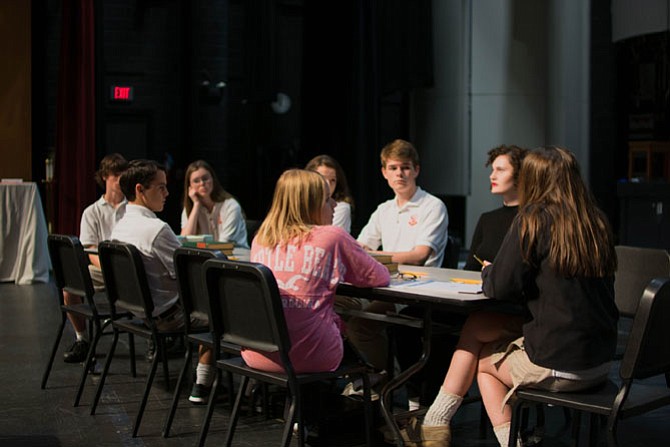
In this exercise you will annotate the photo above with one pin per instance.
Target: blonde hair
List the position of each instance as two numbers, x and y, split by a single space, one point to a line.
296 206
552 194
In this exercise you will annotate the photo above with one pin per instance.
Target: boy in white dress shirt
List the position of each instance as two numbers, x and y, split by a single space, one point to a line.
145 187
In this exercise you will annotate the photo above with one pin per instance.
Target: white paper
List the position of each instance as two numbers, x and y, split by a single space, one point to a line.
440 288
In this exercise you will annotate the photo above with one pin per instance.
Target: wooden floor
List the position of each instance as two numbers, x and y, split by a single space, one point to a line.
33 417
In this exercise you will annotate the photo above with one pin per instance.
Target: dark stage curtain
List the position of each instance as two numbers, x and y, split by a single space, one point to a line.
75 120
361 60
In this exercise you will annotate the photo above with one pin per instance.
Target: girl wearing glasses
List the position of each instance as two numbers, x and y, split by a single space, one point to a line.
209 209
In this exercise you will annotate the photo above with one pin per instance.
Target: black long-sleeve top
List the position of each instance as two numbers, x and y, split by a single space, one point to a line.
489 234
573 323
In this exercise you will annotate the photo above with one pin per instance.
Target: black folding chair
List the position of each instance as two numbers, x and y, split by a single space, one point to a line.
636 267
246 310
128 290
188 264
70 267
647 355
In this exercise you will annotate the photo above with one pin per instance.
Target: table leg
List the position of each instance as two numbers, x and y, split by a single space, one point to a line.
400 379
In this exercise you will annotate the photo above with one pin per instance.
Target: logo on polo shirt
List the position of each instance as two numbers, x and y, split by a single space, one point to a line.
412 221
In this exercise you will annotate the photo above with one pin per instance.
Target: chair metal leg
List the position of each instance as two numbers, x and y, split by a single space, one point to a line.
515 424
164 360
210 409
611 438
108 361
177 391
367 402
131 349
145 396
231 389
236 411
88 364
54 350
292 414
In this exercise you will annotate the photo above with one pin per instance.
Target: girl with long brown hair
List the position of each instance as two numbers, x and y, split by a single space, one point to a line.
558 262
209 209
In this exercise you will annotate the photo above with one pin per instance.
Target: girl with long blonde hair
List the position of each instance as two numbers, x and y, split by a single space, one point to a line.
309 258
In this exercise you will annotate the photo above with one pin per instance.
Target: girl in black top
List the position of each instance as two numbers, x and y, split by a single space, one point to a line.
558 260
505 162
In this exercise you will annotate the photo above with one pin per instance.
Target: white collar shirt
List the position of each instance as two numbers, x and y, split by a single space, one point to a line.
157 243
423 220
98 221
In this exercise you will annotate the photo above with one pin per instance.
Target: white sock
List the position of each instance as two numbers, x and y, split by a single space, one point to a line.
204 374
502 434
82 336
413 403
443 409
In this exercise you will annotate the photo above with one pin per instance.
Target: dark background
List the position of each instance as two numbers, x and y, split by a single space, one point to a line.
348 67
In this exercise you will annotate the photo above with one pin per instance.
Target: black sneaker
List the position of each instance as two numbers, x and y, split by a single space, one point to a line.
173 346
77 352
200 393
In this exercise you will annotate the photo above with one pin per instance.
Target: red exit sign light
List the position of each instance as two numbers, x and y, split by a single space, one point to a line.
121 93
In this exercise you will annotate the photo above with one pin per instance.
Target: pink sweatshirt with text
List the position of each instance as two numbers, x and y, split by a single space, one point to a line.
307 273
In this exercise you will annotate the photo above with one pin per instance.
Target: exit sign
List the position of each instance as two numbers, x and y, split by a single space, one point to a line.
121 93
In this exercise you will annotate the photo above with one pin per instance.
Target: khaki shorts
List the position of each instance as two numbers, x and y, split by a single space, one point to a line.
529 375
96 277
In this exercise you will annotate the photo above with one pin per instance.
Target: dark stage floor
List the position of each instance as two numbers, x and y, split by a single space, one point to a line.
33 417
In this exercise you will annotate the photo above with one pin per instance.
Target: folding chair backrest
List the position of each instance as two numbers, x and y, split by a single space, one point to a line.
245 306
188 264
70 265
125 277
637 266
648 349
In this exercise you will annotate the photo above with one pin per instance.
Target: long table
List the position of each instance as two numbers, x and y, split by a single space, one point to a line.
24 258
431 288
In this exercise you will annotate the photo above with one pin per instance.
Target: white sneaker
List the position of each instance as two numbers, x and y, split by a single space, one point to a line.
354 390
307 432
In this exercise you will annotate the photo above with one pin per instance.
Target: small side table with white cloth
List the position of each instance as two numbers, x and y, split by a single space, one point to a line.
24 258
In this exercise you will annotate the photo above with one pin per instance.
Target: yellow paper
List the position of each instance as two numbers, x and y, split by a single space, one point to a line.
466 281
417 274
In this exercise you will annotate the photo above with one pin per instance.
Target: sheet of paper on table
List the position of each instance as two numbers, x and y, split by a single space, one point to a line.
441 288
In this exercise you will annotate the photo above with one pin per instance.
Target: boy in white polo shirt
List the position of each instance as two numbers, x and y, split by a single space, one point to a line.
412 227
97 222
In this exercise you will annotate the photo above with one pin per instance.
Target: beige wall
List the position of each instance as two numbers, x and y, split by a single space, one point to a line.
15 89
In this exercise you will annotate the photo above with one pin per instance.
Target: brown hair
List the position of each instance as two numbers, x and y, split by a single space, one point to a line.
341 193
400 150
515 154
296 206
218 193
552 193
112 164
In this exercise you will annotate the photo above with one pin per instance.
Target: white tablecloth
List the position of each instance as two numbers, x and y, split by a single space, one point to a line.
24 257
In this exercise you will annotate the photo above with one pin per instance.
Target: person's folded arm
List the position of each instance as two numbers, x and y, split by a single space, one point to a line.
417 256
504 278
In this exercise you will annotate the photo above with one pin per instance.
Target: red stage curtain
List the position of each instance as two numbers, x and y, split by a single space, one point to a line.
75 116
